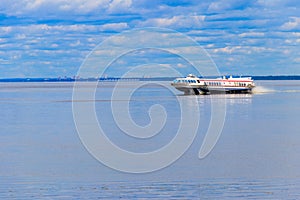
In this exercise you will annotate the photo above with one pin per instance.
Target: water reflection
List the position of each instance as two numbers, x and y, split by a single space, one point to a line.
230 99
239 99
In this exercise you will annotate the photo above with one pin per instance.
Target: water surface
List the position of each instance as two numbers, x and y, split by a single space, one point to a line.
256 157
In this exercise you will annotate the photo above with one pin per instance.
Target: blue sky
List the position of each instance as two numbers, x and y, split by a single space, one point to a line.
51 38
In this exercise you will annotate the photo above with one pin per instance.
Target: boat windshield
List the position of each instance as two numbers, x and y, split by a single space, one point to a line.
184 81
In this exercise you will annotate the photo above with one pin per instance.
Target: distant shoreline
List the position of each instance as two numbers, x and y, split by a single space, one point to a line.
112 79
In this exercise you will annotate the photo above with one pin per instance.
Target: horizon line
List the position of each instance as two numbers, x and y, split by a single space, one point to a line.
73 79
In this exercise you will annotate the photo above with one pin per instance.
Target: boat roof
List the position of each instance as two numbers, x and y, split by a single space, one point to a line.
218 78
223 78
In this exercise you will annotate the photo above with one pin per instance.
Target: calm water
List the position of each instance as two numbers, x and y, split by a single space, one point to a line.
256 157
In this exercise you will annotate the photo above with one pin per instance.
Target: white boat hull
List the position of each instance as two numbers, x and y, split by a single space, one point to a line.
194 85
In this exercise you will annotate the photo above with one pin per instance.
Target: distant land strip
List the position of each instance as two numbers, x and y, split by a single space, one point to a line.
112 79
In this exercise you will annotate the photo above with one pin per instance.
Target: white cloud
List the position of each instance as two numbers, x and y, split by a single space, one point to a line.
89 5
50 29
276 3
74 28
210 46
20 36
297 34
222 5
54 45
242 49
180 65
44 7
119 6
227 49
75 44
297 60
180 21
293 23
235 27
292 41
35 4
288 41
252 34
5 29
217 6
114 26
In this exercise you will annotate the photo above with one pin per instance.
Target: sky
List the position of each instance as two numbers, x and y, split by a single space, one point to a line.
52 38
